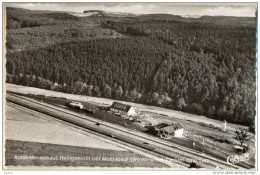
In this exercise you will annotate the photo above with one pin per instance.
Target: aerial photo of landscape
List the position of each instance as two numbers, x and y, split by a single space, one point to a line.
130 85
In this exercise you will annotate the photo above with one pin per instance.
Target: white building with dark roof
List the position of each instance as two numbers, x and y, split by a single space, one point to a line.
122 109
159 126
174 130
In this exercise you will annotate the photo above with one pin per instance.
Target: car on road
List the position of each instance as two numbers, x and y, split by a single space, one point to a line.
77 105
118 114
89 110
92 111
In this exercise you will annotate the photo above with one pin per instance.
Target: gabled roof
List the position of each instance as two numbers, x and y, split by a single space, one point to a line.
161 125
172 128
120 106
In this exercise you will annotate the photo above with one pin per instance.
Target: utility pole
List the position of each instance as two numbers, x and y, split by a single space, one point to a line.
203 142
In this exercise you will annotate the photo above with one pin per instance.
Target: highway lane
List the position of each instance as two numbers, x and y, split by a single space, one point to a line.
153 144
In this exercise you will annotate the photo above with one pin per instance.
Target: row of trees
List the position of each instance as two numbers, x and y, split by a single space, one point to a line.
116 92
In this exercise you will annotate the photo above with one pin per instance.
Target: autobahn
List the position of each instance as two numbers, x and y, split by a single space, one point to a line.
150 145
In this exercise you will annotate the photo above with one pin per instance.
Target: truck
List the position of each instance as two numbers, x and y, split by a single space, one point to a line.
76 105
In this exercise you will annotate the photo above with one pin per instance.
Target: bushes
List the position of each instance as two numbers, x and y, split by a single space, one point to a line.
180 104
211 111
195 108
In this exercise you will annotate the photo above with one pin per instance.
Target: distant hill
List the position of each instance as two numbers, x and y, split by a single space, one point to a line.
93 11
220 20
32 29
21 18
100 13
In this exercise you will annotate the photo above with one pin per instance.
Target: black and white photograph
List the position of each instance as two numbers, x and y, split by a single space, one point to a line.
130 85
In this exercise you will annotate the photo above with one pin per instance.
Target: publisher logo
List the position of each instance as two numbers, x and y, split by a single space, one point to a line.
234 159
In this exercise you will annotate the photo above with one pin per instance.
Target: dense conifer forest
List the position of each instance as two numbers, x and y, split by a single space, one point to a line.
204 67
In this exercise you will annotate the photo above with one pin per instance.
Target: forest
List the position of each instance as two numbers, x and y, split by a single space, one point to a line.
196 67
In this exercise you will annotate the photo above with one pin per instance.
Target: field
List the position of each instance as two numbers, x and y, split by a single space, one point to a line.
196 128
44 154
32 127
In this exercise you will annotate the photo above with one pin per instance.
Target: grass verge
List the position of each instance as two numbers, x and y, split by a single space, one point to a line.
43 154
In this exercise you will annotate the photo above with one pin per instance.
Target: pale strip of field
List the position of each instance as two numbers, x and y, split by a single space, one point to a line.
24 126
104 101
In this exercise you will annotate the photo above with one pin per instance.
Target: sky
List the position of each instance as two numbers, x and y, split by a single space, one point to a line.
183 9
